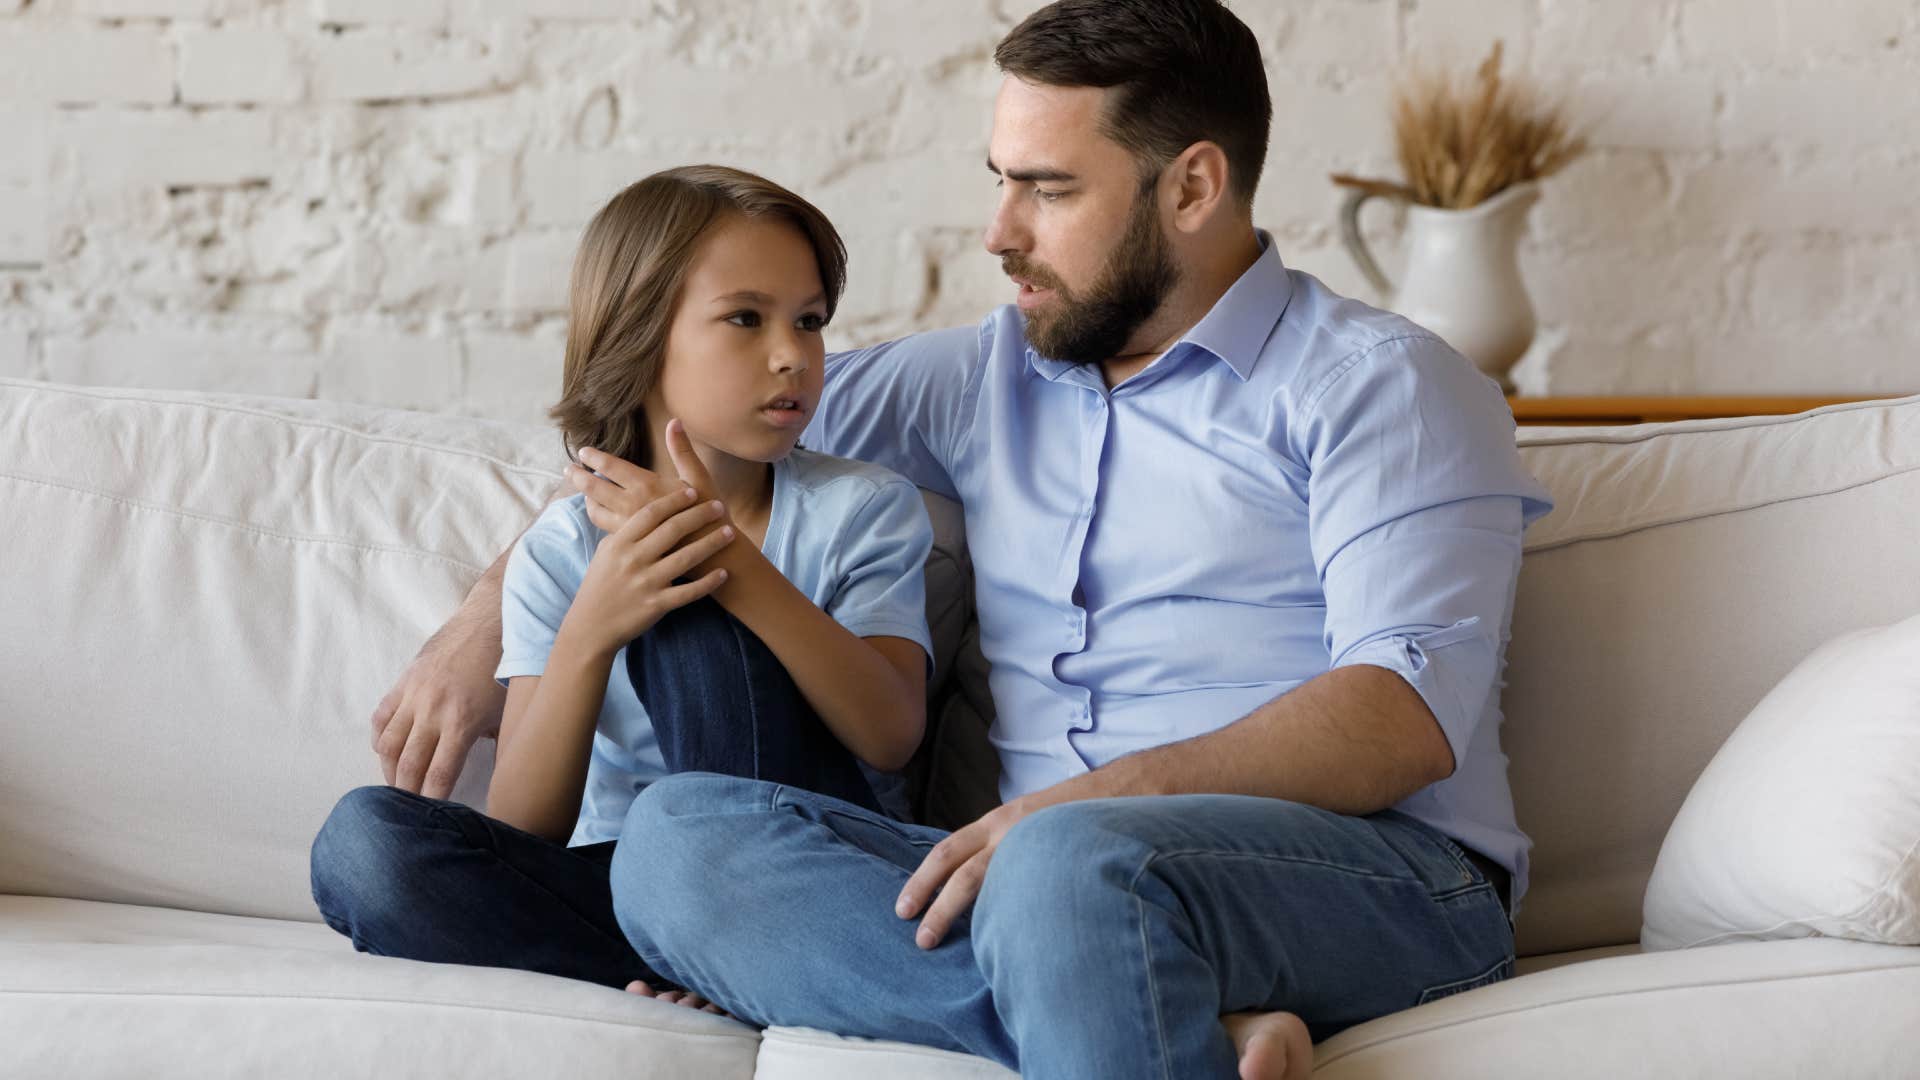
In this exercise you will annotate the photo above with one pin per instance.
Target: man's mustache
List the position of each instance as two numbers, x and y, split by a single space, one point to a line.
1017 266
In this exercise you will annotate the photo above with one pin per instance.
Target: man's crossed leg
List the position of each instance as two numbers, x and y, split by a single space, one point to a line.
1110 938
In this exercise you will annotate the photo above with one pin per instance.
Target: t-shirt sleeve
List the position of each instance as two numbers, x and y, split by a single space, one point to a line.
543 574
881 588
902 405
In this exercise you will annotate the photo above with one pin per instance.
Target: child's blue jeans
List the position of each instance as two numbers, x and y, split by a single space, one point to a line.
429 879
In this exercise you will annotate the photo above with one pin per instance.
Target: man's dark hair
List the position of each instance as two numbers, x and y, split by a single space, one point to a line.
1186 71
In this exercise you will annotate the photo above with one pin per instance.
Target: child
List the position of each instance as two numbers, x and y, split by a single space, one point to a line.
762 614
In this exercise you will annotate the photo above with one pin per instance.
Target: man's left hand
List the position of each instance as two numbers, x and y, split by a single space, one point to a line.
957 867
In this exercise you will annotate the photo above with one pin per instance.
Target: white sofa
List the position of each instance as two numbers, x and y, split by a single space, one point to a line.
202 597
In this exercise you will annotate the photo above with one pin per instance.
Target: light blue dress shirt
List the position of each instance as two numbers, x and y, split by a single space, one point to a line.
1302 482
852 536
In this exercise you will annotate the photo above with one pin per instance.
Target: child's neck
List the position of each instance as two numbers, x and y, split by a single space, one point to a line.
745 486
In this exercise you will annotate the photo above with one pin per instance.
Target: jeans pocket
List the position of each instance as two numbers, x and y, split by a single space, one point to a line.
1492 975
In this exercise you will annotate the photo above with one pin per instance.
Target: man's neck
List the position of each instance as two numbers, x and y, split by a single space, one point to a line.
1200 288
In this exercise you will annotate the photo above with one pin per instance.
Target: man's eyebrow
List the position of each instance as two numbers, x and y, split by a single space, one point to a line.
753 296
1056 176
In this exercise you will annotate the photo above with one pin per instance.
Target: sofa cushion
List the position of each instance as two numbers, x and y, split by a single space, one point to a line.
1767 1009
205 596
1684 570
1807 822
99 990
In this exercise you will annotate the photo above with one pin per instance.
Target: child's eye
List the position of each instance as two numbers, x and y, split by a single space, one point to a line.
748 319
812 323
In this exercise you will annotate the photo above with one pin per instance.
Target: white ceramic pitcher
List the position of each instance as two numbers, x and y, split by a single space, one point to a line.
1463 275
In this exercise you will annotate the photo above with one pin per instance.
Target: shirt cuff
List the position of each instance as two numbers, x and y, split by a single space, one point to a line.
1452 669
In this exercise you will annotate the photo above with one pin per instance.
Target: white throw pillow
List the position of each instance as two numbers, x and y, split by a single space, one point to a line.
1807 822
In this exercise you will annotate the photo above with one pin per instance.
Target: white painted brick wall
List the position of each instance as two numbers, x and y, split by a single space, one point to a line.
240 65
378 200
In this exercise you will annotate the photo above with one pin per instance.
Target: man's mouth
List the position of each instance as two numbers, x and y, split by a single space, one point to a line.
1030 294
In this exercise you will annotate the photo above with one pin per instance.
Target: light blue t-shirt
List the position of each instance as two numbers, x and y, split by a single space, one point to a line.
853 537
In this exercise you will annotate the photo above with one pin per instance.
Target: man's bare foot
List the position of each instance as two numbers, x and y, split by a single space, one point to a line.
1271 1045
676 997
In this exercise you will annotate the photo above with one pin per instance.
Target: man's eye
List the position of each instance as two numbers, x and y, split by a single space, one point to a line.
747 319
813 324
1049 196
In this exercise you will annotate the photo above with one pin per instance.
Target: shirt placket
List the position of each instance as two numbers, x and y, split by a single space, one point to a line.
1097 417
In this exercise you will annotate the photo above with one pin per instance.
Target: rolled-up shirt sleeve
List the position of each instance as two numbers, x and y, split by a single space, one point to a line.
1417 502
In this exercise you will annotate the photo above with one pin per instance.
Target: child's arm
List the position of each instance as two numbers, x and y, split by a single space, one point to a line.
870 692
546 729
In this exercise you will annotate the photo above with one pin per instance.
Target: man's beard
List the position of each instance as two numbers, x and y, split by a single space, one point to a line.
1128 291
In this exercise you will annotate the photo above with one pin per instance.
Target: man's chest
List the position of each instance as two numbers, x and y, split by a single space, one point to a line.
1097 501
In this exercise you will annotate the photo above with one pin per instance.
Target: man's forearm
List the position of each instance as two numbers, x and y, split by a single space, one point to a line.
477 621
478 618
1355 740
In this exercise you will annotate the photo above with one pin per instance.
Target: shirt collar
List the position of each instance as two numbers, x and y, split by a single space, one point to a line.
1243 319
1236 328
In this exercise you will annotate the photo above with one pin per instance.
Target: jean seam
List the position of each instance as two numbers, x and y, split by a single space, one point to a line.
1146 961
1472 982
1271 857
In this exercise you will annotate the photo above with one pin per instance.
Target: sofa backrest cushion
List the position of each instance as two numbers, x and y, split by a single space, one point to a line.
202 597
1685 569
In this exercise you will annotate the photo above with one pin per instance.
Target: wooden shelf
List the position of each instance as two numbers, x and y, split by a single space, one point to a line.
1587 411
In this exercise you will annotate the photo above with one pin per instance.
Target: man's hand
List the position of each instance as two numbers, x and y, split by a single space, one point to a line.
446 699
956 868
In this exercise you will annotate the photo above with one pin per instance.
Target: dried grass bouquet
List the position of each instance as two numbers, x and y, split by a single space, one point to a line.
1461 145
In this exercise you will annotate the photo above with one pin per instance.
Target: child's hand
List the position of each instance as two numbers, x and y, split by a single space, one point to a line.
619 491
622 487
629 581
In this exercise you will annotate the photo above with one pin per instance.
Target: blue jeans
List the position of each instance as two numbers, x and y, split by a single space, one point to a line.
1109 937
429 879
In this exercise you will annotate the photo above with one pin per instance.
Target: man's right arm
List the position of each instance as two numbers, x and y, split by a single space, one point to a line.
447 698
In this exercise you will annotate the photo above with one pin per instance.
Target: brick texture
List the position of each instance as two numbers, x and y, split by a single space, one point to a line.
378 201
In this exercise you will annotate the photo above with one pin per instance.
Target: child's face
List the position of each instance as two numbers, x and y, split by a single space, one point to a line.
747 332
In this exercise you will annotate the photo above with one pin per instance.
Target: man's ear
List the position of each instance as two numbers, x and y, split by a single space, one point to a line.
1198 178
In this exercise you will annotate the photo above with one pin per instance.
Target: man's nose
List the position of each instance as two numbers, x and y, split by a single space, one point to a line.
1006 232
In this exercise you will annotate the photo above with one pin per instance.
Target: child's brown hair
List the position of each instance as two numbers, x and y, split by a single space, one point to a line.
626 284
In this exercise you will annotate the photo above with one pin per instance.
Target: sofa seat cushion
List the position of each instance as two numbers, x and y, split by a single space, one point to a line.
806 1054
87 990
1811 1007
51 920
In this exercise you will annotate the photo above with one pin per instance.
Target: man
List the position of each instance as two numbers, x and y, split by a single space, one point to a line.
1245 554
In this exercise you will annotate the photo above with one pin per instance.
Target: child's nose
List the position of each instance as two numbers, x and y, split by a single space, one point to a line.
789 357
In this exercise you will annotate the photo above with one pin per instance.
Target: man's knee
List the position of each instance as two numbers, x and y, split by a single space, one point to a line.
1062 867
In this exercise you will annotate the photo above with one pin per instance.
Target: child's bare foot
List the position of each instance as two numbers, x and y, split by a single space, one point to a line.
676 997
1271 1045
